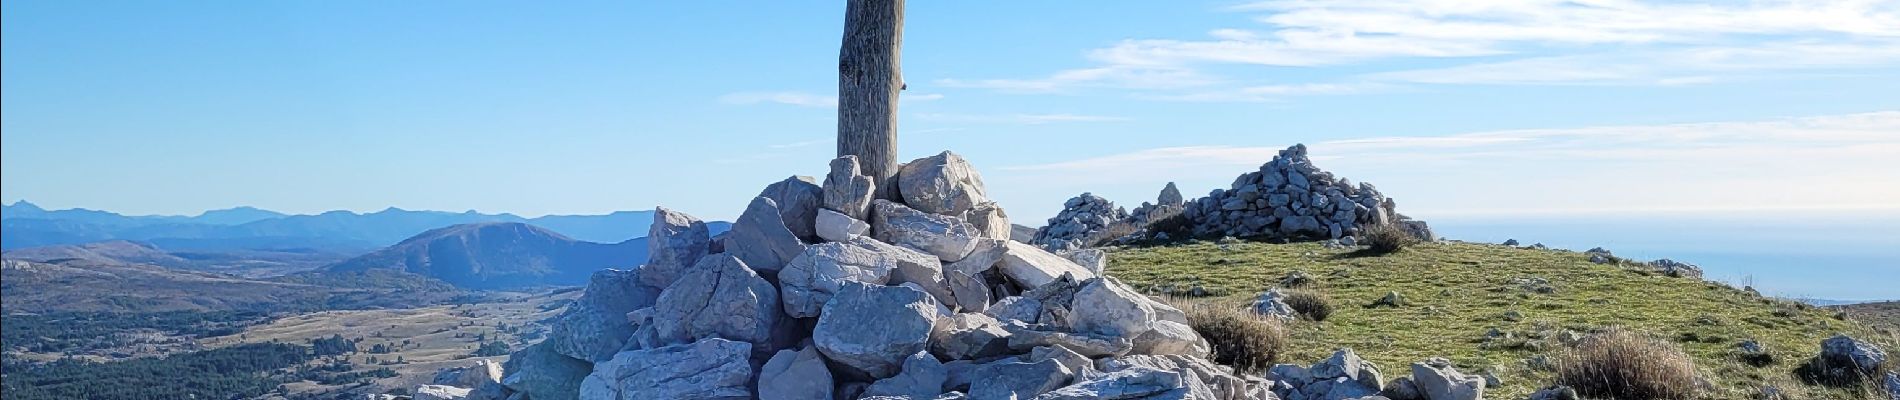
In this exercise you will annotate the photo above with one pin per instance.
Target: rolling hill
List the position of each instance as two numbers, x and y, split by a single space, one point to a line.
498 256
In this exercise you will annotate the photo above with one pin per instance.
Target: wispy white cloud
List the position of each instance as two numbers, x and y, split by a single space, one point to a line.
1021 119
1837 161
1638 42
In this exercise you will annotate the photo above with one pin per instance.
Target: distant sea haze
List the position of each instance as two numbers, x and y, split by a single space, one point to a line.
1846 256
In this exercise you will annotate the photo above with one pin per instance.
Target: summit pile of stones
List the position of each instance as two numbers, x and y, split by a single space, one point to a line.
822 291
1290 198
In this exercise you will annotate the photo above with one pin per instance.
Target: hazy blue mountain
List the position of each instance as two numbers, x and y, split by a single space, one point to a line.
249 228
498 256
236 215
610 228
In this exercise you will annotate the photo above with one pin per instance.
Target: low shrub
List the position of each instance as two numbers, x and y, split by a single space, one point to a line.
1238 338
1625 365
1310 304
1386 239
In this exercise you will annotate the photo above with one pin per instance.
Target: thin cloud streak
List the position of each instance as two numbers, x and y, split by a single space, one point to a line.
1539 42
1017 119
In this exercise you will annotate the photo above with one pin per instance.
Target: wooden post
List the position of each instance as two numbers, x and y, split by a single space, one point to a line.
868 82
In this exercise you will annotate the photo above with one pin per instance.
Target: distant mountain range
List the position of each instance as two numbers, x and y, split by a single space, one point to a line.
23 224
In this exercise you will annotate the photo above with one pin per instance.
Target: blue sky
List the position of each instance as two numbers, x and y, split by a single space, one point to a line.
1457 108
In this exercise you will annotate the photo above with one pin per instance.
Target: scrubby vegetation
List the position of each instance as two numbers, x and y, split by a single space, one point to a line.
245 371
1624 365
80 332
1237 336
1386 239
1311 304
1505 310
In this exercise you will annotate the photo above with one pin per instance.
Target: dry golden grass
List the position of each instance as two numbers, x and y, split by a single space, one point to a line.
1238 338
1626 365
1386 239
1311 304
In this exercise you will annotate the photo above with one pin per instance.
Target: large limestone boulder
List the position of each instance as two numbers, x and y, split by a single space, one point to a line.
1437 380
870 330
798 199
1094 260
943 184
707 369
595 326
720 298
473 376
1024 337
1104 307
968 336
1170 196
1842 351
438 392
1272 304
1169 337
922 378
989 220
834 226
675 241
949 238
1200 378
823 269
761 239
539 372
1347 364
1132 383
1017 380
1032 267
847 190
795 375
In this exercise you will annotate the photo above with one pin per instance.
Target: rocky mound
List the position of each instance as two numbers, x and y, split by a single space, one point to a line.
1287 199
497 255
1290 198
821 291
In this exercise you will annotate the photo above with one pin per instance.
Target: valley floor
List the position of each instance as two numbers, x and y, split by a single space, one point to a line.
423 339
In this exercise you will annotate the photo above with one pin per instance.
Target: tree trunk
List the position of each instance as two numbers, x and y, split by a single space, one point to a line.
868 82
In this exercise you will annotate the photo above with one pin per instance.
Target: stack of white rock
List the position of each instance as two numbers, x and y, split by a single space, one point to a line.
821 291
1290 198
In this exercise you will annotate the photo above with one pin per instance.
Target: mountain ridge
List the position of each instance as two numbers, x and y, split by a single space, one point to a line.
29 225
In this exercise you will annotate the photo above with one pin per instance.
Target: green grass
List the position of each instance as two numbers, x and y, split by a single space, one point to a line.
1457 292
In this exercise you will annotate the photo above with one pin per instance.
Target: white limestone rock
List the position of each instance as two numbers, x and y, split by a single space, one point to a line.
943 184
1032 267
706 369
949 238
870 330
794 375
674 241
834 226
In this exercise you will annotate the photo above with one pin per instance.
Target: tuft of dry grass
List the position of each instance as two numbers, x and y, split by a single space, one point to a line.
1309 303
1626 365
1238 338
1386 239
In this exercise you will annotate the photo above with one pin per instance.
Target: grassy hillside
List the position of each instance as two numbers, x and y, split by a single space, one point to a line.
1457 293
1882 315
